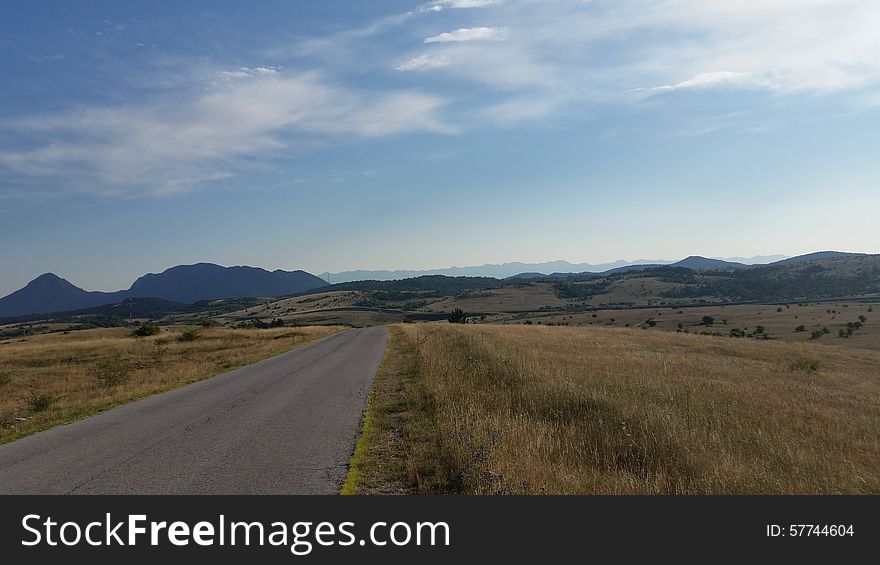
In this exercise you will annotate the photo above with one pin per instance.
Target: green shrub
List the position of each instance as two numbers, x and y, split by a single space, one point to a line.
146 330
805 364
458 317
189 334
112 372
40 402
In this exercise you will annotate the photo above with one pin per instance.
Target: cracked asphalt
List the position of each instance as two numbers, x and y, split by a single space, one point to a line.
285 425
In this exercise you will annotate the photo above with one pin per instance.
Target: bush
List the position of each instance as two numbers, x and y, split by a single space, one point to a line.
189 334
458 317
40 402
805 364
209 323
159 352
5 378
800 329
708 320
817 334
146 330
112 372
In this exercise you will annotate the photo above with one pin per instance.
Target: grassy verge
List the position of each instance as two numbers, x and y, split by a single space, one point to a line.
519 409
378 465
58 378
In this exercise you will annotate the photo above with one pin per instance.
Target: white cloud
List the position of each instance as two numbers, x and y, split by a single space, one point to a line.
173 145
571 52
440 4
711 80
423 62
245 72
469 34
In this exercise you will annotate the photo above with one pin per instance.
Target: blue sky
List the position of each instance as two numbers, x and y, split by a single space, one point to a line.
341 135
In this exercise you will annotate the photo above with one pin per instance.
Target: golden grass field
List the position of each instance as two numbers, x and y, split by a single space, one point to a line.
53 378
483 409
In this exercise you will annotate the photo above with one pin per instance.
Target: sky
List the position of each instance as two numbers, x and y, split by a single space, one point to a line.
343 135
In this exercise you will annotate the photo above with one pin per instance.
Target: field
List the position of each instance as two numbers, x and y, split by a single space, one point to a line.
49 379
539 303
488 409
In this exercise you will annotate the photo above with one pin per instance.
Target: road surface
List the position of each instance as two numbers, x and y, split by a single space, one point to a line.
285 425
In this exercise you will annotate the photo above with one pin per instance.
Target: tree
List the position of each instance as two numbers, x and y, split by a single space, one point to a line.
708 320
458 317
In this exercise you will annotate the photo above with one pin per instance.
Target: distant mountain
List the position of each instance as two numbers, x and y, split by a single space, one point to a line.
185 283
51 293
552 269
818 256
756 260
497 271
697 263
203 281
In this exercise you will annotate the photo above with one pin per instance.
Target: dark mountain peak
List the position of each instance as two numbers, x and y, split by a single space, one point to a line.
47 279
49 293
205 281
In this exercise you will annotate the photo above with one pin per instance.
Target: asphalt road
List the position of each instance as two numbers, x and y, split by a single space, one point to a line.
285 425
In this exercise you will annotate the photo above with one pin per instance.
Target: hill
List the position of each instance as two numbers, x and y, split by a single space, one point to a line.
206 281
697 263
819 255
50 293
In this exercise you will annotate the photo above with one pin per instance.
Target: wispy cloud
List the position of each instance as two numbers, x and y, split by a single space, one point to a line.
604 50
441 4
712 80
469 34
245 72
171 146
423 62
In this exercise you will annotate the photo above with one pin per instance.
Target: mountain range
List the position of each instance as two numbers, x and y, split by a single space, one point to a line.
534 270
184 283
187 284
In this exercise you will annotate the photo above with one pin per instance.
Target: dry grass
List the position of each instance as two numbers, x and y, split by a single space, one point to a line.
50 379
524 409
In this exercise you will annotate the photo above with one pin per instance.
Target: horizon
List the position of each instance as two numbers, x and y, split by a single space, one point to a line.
757 260
402 135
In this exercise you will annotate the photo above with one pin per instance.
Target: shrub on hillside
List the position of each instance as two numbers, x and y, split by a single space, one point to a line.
805 364
40 402
146 330
189 334
112 372
458 317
